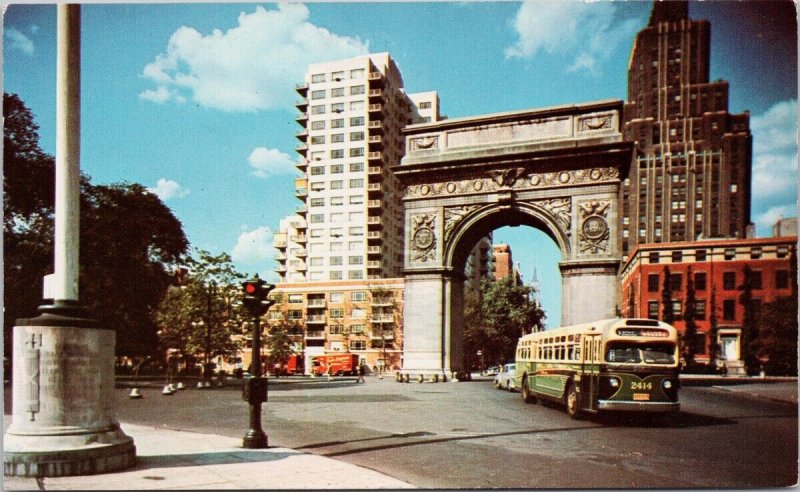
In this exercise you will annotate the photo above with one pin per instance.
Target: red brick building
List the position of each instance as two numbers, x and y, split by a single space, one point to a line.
717 268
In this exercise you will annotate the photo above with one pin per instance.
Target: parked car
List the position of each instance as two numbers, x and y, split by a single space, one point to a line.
491 371
505 379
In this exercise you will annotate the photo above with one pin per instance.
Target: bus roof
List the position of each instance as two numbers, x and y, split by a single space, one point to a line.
606 327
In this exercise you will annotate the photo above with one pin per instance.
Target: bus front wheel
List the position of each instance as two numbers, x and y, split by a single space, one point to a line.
527 394
571 402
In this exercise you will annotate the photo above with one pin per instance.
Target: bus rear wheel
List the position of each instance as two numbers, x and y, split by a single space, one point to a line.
527 394
571 402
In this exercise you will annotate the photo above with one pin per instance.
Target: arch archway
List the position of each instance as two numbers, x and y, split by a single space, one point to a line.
557 170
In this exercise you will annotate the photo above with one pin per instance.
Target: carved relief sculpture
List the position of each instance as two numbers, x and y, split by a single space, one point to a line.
561 209
594 231
454 215
423 238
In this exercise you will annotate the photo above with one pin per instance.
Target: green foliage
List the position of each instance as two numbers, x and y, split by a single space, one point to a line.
495 318
129 244
778 332
280 344
667 315
689 347
204 314
749 323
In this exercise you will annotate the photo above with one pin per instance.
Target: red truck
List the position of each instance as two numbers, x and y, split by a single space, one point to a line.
336 364
293 366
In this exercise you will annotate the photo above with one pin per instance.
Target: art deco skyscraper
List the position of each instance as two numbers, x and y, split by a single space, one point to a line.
690 177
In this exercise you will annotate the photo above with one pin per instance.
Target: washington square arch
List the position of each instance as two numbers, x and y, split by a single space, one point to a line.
557 169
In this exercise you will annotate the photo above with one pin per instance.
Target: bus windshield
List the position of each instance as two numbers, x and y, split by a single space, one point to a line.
635 353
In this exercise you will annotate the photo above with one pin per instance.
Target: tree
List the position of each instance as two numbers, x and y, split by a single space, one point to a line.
750 341
504 313
713 328
204 315
386 322
667 315
130 241
689 316
778 336
280 344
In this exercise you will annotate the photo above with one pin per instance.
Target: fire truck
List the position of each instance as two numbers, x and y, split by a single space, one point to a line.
336 364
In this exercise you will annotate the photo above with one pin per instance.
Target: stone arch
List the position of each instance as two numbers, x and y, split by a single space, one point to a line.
478 222
557 169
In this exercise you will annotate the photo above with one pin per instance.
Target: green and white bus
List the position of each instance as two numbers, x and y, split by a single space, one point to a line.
608 365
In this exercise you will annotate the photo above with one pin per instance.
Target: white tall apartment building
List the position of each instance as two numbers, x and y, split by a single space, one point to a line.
350 224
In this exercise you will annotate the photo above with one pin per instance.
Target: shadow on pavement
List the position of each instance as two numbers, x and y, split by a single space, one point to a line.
209 458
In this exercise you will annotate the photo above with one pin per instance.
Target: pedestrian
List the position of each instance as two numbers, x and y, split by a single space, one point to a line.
361 370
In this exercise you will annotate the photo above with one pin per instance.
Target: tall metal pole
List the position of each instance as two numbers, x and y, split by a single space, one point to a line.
68 116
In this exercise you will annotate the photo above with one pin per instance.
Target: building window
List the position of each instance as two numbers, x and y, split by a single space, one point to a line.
676 281
356 89
357 329
318 94
294 314
337 185
357 73
337 154
335 260
318 109
700 281
728 309
358 313
756 280
356 167
337 329
337 76
295 298
316 218
355 274
357 121
337 297
425 105
358 296
317 170
677 309
730 253
782 251
318 125
337 217
357 183
337 123
337 168
356 105
356 199
337 108
337 200
336 246
337 92
319 139
652 310
316 261
337 313
356 216
677 256
318 77
729 280
356 231
781 279
700 255
355 260
358 345
700 309
357 152
652 282
654 257
755 253
337 138
356 136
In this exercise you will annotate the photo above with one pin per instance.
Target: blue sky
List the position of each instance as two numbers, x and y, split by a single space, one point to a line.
196 101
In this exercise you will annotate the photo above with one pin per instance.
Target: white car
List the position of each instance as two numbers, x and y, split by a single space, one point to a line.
505 379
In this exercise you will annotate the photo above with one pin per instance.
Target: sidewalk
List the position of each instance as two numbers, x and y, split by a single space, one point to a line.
169 460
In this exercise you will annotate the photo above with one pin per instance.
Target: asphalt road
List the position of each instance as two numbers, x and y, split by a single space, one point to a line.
470 435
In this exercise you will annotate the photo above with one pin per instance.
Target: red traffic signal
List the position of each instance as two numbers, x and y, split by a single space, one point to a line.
256 291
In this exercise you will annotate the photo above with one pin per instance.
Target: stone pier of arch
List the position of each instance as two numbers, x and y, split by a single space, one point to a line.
556 169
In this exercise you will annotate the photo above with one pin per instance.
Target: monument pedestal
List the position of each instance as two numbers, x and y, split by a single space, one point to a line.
63 398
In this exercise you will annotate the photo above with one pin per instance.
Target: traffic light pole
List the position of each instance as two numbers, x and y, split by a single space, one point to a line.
255 438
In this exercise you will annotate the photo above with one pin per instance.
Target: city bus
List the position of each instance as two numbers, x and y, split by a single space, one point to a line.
608 365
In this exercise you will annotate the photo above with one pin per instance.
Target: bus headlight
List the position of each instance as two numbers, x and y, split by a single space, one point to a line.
614 382
667 384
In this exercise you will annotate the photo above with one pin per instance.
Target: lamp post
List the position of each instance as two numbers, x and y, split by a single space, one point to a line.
255 388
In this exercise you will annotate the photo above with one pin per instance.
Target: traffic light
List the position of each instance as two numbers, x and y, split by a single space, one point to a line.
255 299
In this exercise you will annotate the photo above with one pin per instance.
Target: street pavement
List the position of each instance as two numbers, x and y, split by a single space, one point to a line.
172 459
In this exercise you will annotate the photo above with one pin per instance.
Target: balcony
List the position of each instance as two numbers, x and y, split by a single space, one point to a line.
374 236
373 250
374 204
376 141
302 118
302 135
300 253
385 318
316 334
279 240
302 89
302 164
281 256
375 156
316 303
375 126
386 335
281 269
299 266
302 104
375 108
375 78
374 264
315 319
300 238
301 192
375 221
382 302
301 210
299 224
376 188
302 149
375 93
374 170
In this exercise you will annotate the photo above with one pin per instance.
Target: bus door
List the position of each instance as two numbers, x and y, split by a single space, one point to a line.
591 369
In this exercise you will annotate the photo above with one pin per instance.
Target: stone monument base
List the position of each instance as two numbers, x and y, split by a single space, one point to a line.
63 398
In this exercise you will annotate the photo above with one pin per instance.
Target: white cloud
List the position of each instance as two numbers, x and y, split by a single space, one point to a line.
16 40
167 188
774 164
254 246
250 67
585 31
267 162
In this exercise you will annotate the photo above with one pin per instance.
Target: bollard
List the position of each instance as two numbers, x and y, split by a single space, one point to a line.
167 391
135 394
200 385
181 386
